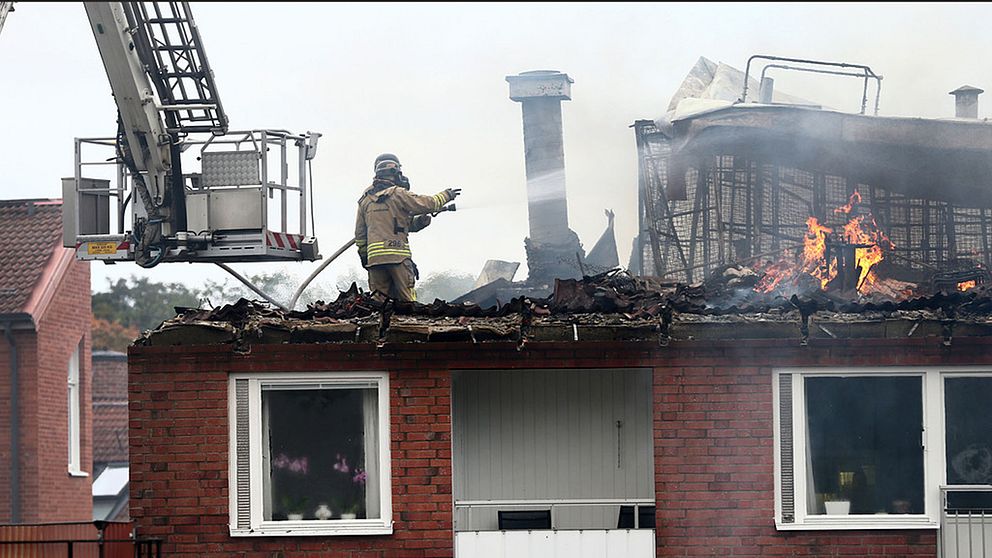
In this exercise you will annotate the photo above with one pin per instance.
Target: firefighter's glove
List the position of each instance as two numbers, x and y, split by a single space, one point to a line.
365 259
453 193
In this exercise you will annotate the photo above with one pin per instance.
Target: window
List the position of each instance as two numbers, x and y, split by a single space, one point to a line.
968 435
310 454
73 398
870 448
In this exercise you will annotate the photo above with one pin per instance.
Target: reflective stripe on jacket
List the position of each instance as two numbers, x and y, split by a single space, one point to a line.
385 218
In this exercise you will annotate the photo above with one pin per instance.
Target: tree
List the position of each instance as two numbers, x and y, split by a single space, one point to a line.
142 304
280 285
111 336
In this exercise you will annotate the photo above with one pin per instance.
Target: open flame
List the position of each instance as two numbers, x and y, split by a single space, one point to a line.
965 285
861 231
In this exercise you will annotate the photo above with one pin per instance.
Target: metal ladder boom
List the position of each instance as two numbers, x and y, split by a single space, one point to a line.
169 43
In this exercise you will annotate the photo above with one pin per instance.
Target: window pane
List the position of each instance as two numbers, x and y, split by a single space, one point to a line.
968 425
864 453
321 447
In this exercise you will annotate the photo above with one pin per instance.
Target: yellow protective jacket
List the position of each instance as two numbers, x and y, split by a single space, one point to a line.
386 215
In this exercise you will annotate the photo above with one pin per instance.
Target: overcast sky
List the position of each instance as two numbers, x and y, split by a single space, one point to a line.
427 82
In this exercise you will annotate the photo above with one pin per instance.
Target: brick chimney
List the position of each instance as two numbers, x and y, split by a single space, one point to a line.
551 246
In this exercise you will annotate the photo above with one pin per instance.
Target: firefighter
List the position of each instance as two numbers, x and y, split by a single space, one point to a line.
387 213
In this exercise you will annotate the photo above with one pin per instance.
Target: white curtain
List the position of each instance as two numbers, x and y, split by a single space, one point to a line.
370 410
811 507
266 463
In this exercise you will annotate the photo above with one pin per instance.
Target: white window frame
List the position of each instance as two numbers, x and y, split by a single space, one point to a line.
74 396
258 525
934 472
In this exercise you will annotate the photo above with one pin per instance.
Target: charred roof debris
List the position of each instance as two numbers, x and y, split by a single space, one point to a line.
612 306
768 219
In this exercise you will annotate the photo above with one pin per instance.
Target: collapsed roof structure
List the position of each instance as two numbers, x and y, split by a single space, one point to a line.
759 212
729 182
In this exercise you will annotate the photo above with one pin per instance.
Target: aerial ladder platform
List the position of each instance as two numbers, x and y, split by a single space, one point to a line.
175 183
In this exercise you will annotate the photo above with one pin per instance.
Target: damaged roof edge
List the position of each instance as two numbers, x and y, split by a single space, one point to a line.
609 307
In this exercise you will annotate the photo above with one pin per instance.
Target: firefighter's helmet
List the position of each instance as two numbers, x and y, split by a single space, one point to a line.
385 161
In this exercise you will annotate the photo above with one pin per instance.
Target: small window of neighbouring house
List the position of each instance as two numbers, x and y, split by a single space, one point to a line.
73 412
310 454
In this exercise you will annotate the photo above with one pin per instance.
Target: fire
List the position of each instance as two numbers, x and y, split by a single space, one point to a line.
856 231
854 200
965 285
814 249
861 231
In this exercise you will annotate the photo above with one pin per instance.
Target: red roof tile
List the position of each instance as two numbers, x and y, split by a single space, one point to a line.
109 432
29 232
109 407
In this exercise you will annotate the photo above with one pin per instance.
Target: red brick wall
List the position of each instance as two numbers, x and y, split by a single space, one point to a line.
713 440
714 458
27 355
179 441
48 493
64 325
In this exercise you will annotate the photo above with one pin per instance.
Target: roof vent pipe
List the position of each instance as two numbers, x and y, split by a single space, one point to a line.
765 90
966 101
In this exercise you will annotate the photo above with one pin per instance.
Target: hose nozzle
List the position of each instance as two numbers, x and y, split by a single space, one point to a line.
449 207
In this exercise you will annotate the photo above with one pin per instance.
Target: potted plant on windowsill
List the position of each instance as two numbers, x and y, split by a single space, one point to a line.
836 506
294 507
351 512
351 485
290 468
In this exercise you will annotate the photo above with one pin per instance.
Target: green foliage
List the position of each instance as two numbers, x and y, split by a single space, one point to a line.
112 336
142 304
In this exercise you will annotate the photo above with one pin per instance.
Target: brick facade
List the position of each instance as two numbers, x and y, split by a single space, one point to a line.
713 439
48 493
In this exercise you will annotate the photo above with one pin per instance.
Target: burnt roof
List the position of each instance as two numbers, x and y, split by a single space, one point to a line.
948 160
31 230
611 306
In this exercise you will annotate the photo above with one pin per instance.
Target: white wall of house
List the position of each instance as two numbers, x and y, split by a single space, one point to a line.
551 435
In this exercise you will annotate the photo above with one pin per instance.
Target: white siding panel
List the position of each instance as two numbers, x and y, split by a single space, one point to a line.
620 543
551 434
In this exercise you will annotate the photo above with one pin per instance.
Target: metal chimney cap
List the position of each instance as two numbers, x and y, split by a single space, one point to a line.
965 90
540 83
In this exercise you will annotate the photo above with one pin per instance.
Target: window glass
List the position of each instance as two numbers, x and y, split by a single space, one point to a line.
73 396
968 432
321 453
864 445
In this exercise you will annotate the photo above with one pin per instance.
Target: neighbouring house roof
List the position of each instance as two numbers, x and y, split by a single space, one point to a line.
613 306
109 376
109 431
31 255
109 407
110 493
111 481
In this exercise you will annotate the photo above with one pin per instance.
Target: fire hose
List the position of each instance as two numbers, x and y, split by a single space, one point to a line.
334 256
316 272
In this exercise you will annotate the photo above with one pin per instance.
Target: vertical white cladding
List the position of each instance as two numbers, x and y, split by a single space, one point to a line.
552 435
617 543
